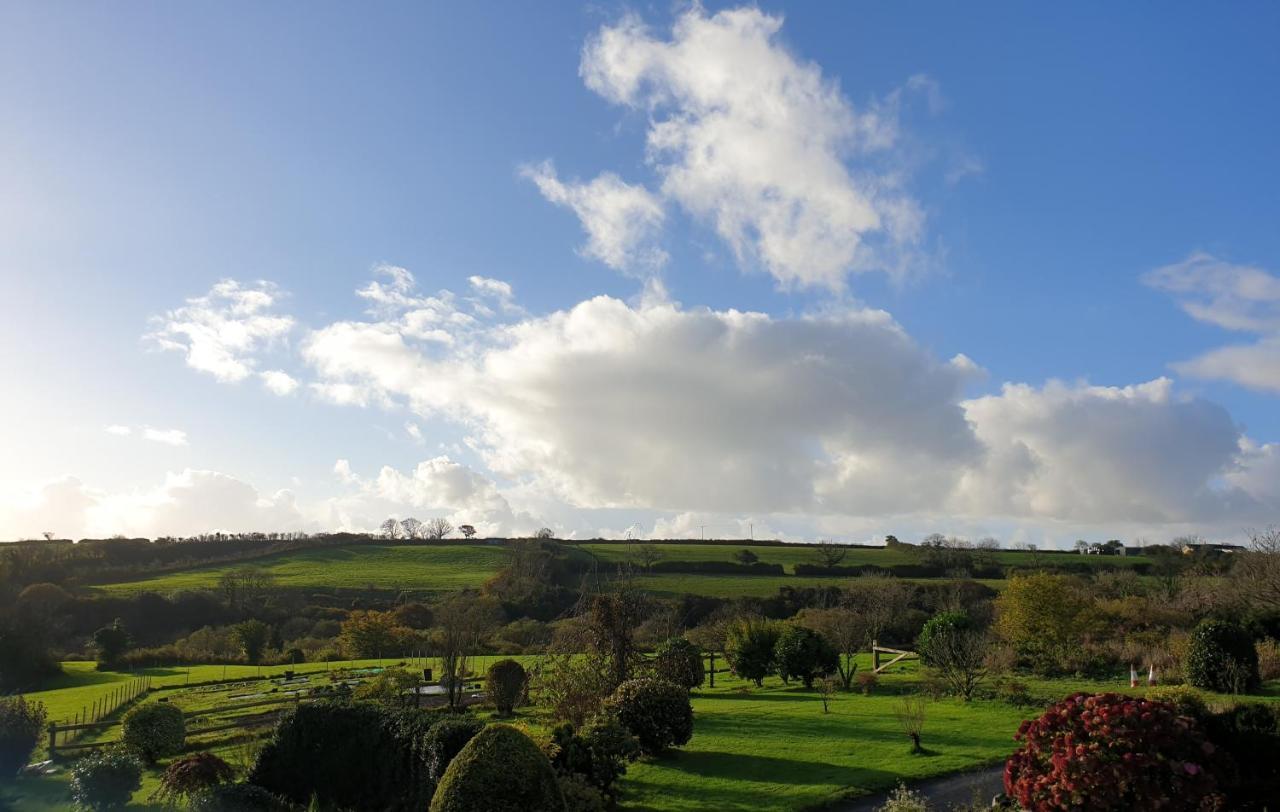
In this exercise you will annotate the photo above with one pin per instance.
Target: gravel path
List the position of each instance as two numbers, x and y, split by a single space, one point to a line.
942 792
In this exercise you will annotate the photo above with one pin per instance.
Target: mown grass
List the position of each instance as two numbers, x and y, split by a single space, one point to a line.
423 568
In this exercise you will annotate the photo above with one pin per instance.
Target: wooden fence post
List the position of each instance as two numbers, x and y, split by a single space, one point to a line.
53 739
712 670
875 655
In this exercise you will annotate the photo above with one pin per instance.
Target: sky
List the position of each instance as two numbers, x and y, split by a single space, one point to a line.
651 270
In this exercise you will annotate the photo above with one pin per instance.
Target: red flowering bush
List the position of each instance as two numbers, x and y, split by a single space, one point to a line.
1094 752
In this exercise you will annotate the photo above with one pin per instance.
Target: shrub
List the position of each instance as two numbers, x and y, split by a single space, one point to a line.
505 684
190 776
1186 701
749 646
236 798
804 654
656 712
1268 660
356 756
1221 657
21 723
105 779
1250 733
446 739
1116 751
679 661
571 688
904 800
941 625
580 795
599 752
153 730
867 682
500 770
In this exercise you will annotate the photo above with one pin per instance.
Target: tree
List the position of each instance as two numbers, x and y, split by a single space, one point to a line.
847 631
881 600
243 586
252 636
437 528
951 644
391 529
368 633
21 724
656 712
829 555
1044 617
745 557
466 530
505 684
463 620
1082 546
749 647
1258 571
804 654
646 555
679 661
611 622
412 528
110 643
545 533
911 713
1221 657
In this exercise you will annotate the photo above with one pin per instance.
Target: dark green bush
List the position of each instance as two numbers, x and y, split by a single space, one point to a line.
679 661
21 723
237 798
1221 657
154 730
355 756
105 779
598 752
803 654
446 739
500 770
940 625
748 647
1250 733
656 712
505 684
190 776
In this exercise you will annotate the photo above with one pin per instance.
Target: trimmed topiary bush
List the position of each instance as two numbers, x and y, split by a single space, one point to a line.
748 647
446 739
154 730
1221 657
803 654
656 712
105 779
505 684
21 723
192 775
1109 751
500 770
679 661
351 756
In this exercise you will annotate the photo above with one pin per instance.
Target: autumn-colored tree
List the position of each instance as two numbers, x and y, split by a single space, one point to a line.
1045 618
371 634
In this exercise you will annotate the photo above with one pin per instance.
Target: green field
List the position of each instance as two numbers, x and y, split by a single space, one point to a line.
434 568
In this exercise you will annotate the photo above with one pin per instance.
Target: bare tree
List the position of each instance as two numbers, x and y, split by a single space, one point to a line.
466 530
646 555
959 657
827 690
846 629
437 528
1258 571
881 599
391 529
544 533
48 535
463 621
988 543
830 555
911 714
412 528
611 620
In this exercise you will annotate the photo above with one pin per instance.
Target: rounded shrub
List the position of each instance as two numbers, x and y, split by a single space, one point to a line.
105 779
21 723
500 770
1118 752
1221 657
679 661
598 752
1184 699
803 654
192 775
348 756
656 712
1250 733
445 740
154 730
748 646
237 798
940 627
505 684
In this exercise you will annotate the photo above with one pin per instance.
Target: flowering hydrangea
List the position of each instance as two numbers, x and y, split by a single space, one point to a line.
1111 752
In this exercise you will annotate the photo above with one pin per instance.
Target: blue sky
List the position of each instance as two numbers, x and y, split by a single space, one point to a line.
1053 157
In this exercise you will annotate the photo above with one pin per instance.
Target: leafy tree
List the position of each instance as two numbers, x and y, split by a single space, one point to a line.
846 629
369 633
1044 618
611 622
110 643
571 687
500 770
467 530
956 650
749 647
1221 657
544 533
679 661
804 654
392 688
745 557
25 659
252 635
656 712
21 723
1115 751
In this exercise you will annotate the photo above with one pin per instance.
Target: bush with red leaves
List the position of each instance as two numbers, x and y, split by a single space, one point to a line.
1095 752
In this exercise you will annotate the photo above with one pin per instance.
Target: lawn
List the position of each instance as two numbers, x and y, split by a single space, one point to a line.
424 568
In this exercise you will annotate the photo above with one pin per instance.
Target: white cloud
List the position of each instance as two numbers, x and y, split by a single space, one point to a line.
221 331
165 436
278 382
759 144
1242 298
621 219
411 429
119 431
